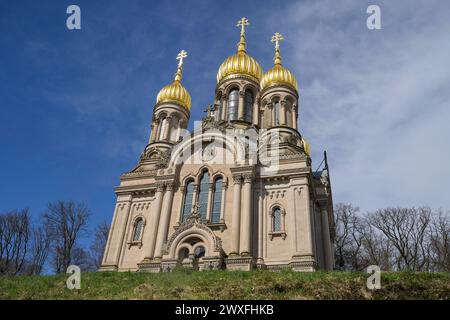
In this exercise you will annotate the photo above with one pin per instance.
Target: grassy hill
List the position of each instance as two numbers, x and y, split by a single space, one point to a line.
186 284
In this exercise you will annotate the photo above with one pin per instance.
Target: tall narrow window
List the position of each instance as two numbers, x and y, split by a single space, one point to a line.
188 194
217 201
138 224
277 113
233 104
203 195
276 222
248 105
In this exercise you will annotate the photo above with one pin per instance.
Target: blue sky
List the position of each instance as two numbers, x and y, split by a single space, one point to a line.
76 105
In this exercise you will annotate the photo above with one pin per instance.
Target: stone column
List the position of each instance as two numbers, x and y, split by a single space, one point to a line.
296 191
256 112
326 240
161 129
260 226
180 213
294 117
273 116
224 107
222 203
122 229
194 194
235 226
309 221
154 133
283 112
177 138
164 221
167 128
152 228
268 115
246 234
209 204
241 105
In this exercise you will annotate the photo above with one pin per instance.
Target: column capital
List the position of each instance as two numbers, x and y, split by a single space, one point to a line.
248 177
159 186
169 186
237 179
241 93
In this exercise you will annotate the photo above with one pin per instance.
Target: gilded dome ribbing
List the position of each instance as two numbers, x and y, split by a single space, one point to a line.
278 75
240 63
175 92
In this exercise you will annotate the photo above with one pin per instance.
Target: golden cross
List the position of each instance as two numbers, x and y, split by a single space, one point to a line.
242 23
277 38
181 56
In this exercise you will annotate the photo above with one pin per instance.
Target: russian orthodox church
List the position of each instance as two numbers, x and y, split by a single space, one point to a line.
236 193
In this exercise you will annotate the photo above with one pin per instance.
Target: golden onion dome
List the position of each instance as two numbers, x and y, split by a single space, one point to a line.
278 75
240 63
175 92
306 146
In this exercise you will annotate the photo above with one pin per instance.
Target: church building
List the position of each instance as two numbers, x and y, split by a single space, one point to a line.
237 192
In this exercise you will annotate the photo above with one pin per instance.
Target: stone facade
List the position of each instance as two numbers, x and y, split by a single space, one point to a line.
236 193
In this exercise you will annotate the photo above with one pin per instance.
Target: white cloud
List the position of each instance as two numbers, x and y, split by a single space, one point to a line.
378 101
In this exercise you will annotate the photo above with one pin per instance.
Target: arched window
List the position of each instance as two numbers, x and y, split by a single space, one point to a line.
203 195
188 194
276 107
183 254
233 104
217 201
276 220
199 252
137 232
248 105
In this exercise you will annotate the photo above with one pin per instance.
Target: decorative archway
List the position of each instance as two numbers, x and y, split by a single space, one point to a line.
204 248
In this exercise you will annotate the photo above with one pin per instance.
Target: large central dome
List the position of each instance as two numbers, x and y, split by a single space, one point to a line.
240 64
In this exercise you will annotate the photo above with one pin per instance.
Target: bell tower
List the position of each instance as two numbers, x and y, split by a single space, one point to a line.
237 90
170 116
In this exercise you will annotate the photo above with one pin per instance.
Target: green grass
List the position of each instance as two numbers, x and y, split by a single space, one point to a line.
187 284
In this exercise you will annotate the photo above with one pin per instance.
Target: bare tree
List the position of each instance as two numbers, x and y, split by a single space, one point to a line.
14 238
39 250
348 239
406 229
99 244
66 222
439 234
376 249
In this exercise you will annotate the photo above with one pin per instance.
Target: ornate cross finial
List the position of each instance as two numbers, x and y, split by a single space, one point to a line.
241 45
277 38
181 56
242 23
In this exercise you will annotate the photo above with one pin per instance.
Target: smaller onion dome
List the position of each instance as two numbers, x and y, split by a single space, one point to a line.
175 92
278 75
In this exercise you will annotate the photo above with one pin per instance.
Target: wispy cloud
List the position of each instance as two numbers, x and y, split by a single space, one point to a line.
378 101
